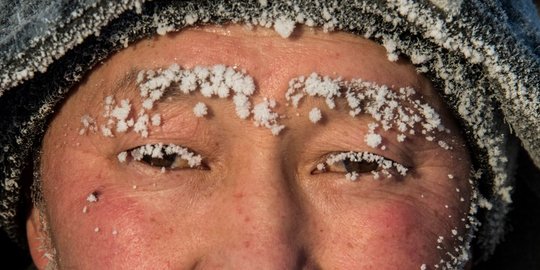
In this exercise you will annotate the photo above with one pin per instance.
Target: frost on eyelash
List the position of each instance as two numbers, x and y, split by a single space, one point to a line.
216 81
384 105
158 150
383 163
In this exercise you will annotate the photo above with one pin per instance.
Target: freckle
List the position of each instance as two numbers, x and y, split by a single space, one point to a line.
238 195
247 244
350 245
171 230
247 219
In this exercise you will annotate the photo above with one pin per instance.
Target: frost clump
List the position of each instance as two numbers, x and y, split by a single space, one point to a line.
315 115
122 156
92 197
200 109
88 123
373 140
284 26
264 116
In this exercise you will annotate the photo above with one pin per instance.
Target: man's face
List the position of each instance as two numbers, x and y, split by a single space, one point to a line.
257 201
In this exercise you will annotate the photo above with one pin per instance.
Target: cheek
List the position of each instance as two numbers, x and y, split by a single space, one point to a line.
127 236
116 232
384 235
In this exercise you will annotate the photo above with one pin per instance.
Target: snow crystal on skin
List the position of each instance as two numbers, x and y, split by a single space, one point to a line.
156 119
315 115
122 156
351 176
106 131
264 116
92 197
200 109
88 124
373 140
284 26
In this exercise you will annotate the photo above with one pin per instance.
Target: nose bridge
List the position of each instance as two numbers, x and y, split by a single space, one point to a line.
264 214
263 192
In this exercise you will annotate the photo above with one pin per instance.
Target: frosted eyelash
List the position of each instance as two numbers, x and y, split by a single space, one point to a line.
383 163
159 150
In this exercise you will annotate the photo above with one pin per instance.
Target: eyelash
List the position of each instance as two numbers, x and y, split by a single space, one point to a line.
169 156
354 164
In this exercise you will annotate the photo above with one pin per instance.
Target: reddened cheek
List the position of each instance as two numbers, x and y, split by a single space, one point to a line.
396 233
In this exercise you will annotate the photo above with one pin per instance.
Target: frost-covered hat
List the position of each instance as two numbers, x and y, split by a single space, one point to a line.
483 57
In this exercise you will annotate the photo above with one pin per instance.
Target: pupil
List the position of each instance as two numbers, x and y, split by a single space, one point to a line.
166 161
359 166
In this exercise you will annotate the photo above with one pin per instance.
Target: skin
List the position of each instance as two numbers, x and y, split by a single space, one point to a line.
258 206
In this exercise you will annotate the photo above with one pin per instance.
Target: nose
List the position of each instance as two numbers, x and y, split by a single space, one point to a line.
261 218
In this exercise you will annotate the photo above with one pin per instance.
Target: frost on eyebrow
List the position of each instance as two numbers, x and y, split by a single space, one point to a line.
399 109
217 81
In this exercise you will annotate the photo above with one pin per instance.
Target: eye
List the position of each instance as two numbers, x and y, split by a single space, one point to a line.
353 164
169 156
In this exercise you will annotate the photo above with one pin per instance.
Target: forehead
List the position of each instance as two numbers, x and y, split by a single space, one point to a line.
270 59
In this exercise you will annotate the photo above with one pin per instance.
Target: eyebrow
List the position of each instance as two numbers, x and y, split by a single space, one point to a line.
122 84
